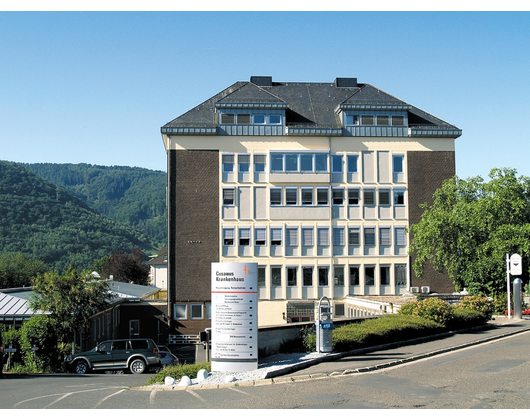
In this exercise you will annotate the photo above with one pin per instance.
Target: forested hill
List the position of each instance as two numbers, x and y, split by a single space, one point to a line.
130 195
45 222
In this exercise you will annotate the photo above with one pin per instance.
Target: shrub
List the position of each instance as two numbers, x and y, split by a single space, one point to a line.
478 303
178 371
385 329
435 309
500 303
466 318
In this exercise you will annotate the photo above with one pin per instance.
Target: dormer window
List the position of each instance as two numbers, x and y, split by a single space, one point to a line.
236 118
383 120
258 119
398 120
367 120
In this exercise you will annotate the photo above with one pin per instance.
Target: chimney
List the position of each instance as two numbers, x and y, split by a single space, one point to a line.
261 80
346 82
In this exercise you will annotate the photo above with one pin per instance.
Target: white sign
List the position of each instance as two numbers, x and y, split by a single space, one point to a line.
516 266
234 317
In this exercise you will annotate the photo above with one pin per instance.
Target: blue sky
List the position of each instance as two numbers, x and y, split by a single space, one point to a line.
96 87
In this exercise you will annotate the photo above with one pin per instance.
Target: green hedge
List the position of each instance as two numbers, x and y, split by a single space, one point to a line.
178 371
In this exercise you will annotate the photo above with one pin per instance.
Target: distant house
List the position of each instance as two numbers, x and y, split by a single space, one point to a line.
14 308
134 311
158 270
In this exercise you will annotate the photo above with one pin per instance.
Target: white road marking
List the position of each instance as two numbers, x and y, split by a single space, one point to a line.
107 397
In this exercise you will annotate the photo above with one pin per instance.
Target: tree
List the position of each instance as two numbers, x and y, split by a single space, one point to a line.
127 268
471 226
69 299
17 270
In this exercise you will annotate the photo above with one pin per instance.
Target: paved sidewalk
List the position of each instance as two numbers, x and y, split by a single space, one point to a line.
380 357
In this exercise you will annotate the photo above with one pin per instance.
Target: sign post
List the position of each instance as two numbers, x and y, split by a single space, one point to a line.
234 317
514 267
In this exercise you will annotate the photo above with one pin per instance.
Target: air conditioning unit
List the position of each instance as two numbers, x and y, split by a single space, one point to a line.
414 290
425 289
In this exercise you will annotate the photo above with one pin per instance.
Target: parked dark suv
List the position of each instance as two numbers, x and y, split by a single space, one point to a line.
136 354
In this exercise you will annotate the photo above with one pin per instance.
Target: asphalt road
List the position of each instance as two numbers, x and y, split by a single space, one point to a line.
489 375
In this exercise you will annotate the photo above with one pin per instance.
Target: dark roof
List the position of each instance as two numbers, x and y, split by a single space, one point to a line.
314 105
160 259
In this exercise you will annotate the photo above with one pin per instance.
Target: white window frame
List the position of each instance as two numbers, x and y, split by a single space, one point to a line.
398 193
337 190
349 164
240 163
306 190
257 164
227 237
308 236
244 235
398 168
291 236
288 192
180 305
260 234
223 164
276 189
194 306
326 189
225 203
337 164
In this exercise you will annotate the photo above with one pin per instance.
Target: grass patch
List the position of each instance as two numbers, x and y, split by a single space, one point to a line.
178 371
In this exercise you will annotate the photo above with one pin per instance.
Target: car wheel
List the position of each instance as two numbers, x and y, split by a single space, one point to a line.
81 367
137 366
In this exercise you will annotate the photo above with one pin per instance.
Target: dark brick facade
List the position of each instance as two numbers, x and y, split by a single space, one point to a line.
193 229
426 171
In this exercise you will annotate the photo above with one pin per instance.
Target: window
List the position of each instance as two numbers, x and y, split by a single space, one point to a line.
276 162
369 197
228 118
196 311
275 119
259 163
244 236
397 163
384 197
291 162
291 236
353 196
338 275
291 196
384 236
337 196
276 196
322 196
258 119
229 196
354 237
352 119
400 237
367 120
400 274
180 311
383 120
399 197
276 236
338 236
244 163
307 196
306 162
323 276
384 275
260 236
336 164
323 236
291 276
352 161
307 275
243 119
276 276
398 120
354 275
228 236
321 162
307 236
369 275
261 275
228 163
369 236
299 162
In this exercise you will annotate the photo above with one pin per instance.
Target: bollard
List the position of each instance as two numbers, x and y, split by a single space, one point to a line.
517 299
